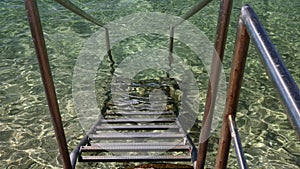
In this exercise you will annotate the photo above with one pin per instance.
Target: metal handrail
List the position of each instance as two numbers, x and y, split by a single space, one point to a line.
220 42
221 36
195 9
184 17
75 9
282 80
217 58
68 161
250 27
41 51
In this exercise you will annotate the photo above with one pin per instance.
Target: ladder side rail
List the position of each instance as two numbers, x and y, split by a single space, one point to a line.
86 140
40 46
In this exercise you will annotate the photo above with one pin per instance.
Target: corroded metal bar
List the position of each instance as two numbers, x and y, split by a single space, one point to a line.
72 7
40 47
233 92
192 11
284 83
186 16
221 36
107 40
171 46
69 5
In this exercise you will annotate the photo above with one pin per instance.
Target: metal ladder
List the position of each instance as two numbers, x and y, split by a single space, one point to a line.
136 128
135 115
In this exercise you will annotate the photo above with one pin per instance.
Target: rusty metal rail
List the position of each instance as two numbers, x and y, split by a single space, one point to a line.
40 46
220 42
75 9
217 58
195 9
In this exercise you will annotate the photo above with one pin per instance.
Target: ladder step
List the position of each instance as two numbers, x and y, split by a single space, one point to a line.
115 135
139 85
125 95
138 144
138 120
132 148
132 158
124 104
138 127
139 113
129 101
138 108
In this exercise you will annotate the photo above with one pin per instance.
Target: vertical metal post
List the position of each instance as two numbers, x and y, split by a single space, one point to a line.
40 47
171 45
222 29
184 17
107 41
233 92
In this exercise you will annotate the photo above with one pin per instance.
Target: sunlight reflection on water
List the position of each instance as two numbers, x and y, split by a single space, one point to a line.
26 134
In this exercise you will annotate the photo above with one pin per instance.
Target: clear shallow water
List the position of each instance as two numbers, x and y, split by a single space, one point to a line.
26 136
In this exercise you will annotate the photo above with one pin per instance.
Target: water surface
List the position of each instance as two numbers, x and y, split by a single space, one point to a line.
26 134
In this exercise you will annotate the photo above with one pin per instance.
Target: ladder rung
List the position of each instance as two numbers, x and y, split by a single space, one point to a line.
139 113
139 144
138 127
132 158
125 95
137 108
126 104
132 148
139 85
138 120
115 135
133 101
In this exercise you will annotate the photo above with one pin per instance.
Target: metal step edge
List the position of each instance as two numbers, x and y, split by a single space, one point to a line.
115 108
133 148
136 135
139 85
137 127
139 144
138 120
132 158
128 96
138 113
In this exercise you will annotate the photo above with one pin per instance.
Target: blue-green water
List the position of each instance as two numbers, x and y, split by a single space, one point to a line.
26 134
